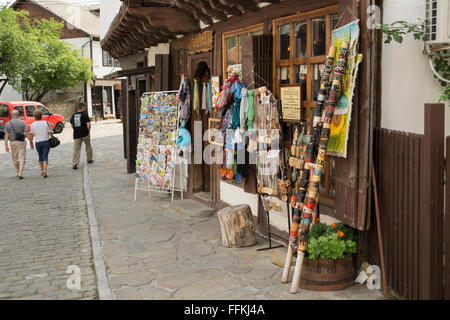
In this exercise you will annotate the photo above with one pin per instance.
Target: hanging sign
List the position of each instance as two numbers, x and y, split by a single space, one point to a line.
291 102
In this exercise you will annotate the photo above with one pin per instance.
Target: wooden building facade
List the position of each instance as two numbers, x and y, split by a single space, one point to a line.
285 42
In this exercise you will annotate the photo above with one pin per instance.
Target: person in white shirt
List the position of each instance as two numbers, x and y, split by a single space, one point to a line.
42 132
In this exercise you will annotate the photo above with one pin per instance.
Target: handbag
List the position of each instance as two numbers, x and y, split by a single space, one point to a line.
18 136
54 141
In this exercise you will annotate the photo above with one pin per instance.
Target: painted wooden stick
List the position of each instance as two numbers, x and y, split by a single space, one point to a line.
299 198
313 188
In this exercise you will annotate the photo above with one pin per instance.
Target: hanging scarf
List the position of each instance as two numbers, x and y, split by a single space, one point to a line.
243 110
184 97
196 97
236 113
204 102
208 96
251 110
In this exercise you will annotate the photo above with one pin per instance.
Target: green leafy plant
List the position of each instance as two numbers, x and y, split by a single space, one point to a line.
331 242
34 59
441 59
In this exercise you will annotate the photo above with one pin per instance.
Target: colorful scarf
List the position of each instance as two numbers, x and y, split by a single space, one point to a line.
196 97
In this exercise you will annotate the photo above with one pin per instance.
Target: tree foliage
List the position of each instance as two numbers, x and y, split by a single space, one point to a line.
33 57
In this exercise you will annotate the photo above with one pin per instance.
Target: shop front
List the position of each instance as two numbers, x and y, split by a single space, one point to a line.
278 53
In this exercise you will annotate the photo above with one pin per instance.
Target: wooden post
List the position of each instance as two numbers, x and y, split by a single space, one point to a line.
431 217
447 223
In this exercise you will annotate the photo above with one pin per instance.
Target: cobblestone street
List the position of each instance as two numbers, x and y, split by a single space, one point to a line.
44 227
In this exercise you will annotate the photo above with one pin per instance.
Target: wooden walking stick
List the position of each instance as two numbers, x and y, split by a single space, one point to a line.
311 201
309 158
380 239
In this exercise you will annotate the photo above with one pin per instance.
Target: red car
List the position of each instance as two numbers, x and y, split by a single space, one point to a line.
26 113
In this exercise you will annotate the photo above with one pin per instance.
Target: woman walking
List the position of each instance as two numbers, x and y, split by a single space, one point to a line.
41 131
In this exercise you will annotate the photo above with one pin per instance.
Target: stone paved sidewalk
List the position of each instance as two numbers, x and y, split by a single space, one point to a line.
153 252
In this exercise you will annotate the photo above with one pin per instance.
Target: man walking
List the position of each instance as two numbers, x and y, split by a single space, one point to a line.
81 125
15 133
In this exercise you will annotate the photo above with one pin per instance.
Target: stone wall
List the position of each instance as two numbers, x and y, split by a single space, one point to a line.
56 100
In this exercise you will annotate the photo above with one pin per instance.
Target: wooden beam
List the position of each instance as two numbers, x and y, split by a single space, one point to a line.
248 5
174 19
198 14
207 9
233 10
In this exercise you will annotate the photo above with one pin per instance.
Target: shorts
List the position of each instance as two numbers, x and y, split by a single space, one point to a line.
18 151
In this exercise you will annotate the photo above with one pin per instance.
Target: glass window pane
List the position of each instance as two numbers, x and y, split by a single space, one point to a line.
30 111
18 108
241 37
318 36
284 76
301 77
284 42
257 33
300 34
316 71
231 51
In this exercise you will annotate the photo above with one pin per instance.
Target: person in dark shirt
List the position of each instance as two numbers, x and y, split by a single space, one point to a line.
81 125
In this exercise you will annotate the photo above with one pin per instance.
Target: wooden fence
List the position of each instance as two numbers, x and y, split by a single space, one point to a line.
410 176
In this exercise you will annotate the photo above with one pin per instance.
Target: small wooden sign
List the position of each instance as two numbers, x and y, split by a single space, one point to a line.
291 102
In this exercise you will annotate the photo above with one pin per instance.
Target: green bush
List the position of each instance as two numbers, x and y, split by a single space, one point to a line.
331 242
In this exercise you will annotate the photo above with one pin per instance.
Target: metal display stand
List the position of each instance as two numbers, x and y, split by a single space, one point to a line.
147 186
270 233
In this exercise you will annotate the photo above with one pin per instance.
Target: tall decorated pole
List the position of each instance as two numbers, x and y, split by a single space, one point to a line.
297 200
312 197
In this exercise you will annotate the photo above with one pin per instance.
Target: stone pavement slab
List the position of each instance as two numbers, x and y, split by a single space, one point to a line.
153 251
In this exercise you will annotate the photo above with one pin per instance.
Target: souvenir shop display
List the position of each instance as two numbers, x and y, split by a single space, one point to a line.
309 205
157 149
228 103
302 175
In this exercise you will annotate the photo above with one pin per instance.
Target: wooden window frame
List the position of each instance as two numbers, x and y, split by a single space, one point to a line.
236 33
307 104
184 54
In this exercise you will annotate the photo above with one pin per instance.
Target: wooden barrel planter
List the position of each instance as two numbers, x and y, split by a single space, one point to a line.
327 275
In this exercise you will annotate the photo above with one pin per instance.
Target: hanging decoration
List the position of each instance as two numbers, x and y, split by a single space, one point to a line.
340 125
184 98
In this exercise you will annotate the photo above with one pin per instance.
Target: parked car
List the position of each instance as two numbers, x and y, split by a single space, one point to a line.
26 113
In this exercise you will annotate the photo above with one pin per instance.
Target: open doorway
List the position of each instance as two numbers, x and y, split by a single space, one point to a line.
200 174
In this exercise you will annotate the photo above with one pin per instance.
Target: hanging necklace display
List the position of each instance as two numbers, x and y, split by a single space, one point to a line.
268 137
301 185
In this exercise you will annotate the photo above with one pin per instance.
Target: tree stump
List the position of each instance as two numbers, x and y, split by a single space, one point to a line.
236 223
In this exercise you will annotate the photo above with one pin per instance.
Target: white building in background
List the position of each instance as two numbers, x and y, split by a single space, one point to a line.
407 80
83 30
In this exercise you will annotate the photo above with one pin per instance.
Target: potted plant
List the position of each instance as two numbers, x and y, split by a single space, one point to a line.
328 263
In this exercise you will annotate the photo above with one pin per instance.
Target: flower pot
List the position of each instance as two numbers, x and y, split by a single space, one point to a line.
327 275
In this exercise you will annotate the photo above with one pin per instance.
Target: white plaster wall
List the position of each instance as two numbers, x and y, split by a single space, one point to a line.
97 54
161 48
234 196
108 11
407 80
